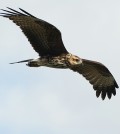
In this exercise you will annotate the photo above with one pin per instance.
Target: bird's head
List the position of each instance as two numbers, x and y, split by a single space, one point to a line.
73 59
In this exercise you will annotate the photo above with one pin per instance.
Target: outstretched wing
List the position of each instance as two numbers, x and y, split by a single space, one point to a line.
45 38
99 76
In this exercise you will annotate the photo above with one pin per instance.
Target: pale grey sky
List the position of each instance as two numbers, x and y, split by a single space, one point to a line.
52 101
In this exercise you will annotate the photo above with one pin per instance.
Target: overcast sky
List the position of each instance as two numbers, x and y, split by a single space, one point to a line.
53 101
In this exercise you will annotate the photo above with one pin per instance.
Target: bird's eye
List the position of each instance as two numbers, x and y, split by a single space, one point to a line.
76 60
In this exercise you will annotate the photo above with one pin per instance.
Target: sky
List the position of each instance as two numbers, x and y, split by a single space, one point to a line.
55 101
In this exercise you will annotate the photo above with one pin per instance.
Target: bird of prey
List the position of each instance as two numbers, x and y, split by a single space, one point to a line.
47 42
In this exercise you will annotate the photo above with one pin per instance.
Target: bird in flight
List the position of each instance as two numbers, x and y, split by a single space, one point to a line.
46 40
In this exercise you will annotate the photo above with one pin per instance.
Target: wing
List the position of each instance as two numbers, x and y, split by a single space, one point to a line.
99 76
45 38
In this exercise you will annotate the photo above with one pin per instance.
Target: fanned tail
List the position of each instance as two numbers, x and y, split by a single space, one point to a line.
21 61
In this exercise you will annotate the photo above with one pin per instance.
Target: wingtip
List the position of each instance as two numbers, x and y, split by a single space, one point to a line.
20 8
25 12
2 14
8 7
105 92
116 85
1 9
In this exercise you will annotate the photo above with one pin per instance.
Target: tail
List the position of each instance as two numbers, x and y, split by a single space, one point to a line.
21 61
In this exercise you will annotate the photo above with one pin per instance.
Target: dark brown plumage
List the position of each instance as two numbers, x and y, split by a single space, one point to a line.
99 76
44 37
47 42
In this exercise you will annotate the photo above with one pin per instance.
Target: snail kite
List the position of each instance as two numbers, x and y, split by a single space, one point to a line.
46 40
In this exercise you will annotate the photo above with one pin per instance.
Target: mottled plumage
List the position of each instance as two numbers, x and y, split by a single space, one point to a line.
47 42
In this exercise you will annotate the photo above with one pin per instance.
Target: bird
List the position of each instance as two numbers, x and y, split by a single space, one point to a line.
46 40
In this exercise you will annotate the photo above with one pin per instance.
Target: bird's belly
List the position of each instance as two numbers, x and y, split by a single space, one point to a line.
56 65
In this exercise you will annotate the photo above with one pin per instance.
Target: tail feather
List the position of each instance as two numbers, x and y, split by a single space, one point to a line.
21 61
